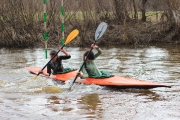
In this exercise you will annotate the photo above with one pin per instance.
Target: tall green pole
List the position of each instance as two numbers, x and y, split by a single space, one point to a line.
62 24
45 28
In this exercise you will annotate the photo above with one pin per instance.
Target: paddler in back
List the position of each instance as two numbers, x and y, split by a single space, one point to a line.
90 69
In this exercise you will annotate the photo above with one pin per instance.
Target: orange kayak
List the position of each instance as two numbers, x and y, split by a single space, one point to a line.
116 81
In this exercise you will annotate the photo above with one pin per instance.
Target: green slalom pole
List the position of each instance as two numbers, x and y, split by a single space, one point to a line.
45 28
62 24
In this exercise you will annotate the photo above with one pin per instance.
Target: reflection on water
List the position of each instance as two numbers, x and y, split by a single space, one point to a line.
22 97
90 101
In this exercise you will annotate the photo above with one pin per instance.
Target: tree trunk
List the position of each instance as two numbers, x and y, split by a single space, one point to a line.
121 11
135 10
143 10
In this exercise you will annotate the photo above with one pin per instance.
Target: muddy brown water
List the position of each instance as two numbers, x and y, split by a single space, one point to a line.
23 98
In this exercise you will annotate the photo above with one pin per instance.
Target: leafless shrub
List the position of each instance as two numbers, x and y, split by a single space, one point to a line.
22 25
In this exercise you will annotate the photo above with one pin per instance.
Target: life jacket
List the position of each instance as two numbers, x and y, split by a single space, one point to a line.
57 65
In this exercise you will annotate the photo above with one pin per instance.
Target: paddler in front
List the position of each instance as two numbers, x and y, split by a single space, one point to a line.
90 69
55 66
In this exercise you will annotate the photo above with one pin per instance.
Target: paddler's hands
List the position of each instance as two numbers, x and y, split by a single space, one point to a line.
94 46
41 72
62 50
80 74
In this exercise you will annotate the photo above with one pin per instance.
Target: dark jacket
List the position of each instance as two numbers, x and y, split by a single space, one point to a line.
57 65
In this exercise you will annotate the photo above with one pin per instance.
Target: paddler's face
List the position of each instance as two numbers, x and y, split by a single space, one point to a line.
87 60
54 59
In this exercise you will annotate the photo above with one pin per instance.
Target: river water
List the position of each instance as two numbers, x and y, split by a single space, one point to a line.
25 99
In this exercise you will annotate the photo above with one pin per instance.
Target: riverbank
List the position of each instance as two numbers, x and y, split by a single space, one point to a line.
134 34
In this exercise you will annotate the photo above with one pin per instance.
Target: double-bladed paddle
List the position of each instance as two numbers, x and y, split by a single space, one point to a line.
69 38
99 32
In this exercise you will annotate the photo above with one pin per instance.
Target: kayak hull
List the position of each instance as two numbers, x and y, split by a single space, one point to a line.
116 81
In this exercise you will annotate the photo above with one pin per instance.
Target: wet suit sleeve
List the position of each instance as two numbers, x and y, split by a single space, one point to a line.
65 57
98 53
85 74
49 69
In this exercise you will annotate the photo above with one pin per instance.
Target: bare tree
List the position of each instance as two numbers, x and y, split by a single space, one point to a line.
135 10
143 10
121 11
21 21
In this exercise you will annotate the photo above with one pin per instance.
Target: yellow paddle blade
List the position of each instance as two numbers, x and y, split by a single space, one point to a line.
71 36
35 77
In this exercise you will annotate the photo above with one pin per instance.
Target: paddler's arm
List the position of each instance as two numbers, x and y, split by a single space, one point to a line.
48 70
83 73
99 51
48 73
67 55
